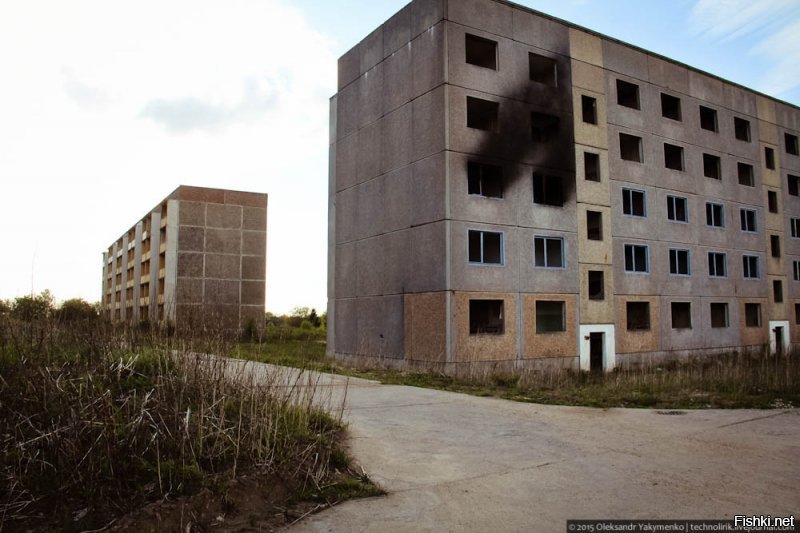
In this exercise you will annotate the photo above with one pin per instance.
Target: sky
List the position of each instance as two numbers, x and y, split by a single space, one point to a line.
107 106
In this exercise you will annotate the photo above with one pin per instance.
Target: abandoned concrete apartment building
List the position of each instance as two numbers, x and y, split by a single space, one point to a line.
197 259
507 187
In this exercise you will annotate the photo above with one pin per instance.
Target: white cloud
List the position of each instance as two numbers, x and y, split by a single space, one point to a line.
107 106
772 28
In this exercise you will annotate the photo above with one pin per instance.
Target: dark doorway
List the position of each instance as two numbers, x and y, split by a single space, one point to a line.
778 340
596 352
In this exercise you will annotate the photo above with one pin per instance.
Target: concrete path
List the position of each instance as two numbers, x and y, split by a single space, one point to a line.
453 462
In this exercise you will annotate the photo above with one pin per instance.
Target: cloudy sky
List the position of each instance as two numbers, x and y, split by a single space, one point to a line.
107 106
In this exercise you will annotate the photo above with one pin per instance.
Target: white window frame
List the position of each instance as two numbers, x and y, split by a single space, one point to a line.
563 252
743 211
672 200
633 257
688 261
502 248
629 192
724 265
746 274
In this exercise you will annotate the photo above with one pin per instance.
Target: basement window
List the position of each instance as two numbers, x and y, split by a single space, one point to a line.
715 215
750 267
746 174
544 127
673 157
548 190
775 245
719 315
708 119
633 203
591 166
741 129
769 158
679 264
485 247
630 148
550 317
791 144
772 201
636 258
543 70
670 107
717 265
681 315
712 166
548 252
627 94
596 285
748 219
794 184
594 225
589 109
480 52
677 209
777 291
752 315
486 317
484 180
637 315
482 114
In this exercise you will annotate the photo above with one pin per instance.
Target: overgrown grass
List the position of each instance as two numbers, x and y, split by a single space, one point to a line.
725 381
96 421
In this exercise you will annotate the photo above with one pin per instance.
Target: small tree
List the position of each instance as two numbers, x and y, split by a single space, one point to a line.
32 308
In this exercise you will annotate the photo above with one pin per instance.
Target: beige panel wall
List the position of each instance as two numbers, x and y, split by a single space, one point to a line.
551 344
425 326
637 341
588 79
485 347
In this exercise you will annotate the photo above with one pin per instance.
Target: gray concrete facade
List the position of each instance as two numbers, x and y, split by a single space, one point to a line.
197 260
461 124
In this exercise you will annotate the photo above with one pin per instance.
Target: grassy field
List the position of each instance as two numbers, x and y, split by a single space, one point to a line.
730 381
100 426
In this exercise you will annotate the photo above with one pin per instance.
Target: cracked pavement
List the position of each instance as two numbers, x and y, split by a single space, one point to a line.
454 462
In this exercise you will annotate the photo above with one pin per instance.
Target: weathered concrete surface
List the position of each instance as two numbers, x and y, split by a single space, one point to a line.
453 462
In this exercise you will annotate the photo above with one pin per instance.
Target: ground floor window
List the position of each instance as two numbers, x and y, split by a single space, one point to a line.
486 317
550 317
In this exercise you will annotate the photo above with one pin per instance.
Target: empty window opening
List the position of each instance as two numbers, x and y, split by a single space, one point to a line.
485 180
637 315
794 223
708 119
482 114
670 106
481 52
548 190
543 70
741 129
630 147
794 184
797 314
636 259
627 94
485 247
717 265
550 317
719 315
777 291
591 166
679 264
596 285
677 209
769 158
775 245
791 144
752 315
796 270
681 315
589 109
712 166
486 317
746 174
548 252
594 225
673 157
633 203
772 201
748 219
715 215
544 127
750 267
